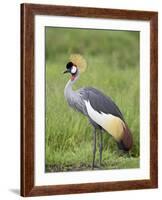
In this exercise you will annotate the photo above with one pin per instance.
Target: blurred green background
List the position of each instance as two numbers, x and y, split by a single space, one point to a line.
113 67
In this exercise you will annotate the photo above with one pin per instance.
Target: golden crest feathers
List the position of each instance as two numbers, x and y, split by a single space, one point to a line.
79 61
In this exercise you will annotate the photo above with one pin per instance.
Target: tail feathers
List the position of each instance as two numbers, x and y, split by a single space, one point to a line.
126 141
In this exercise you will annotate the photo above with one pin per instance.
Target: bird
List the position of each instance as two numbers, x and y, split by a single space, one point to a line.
103 114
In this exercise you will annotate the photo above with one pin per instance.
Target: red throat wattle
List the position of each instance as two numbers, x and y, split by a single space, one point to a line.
72 77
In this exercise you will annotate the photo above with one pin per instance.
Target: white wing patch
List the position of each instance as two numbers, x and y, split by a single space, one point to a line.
112 124
99 118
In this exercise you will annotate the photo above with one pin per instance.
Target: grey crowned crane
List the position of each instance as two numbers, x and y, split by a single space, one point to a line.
101 111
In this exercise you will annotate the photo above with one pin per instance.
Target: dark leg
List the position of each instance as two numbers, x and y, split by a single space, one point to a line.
94 147
100 147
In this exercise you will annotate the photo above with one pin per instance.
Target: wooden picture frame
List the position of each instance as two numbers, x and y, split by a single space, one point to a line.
28 12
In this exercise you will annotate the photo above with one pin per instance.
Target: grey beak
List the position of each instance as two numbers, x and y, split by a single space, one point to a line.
66 71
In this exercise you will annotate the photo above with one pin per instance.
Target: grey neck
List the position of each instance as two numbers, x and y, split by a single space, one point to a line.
68 91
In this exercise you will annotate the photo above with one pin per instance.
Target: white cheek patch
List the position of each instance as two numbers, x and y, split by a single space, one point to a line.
73 69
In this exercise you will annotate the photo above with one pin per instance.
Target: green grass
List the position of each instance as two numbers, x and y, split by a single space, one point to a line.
113 67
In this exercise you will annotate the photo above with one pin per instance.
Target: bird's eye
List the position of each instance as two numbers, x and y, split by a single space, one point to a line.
73 70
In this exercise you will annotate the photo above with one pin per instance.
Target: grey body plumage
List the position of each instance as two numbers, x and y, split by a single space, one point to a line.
100 102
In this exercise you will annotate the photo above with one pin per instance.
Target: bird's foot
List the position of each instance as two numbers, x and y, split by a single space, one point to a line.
100 166
95 167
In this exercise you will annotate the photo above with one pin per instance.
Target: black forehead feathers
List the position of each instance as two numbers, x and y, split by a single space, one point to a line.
69 65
